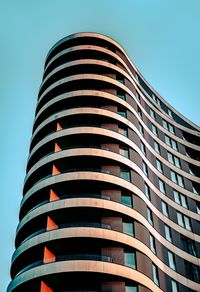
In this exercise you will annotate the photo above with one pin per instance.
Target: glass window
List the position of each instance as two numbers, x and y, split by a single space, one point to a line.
170 113
120 78
121 94
171 143
130 260
128 228
176 178
149 216
184 221
188 245
168 234
161 186
198 207
141 129
127 200
174 286
147 191
125 174
137 96
171 260
165 209
143 148
155 274
123 132
168 127
124 152
173 159
159 165
152 113
192 272
122 113
139 112
131 289
154 129
180 199
152 243
144 166
156 147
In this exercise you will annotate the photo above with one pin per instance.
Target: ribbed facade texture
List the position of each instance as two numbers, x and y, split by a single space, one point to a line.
111 198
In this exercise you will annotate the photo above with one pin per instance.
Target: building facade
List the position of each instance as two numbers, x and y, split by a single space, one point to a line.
111 198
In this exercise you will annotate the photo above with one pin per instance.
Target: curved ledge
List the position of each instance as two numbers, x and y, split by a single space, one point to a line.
129 107
115 157
106 132
108 205
84 266
124 239
120 48
118 118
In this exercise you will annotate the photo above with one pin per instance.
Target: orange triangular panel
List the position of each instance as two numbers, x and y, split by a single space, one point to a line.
57 148
53 196
48 256
58 127
51 224
55 170
45 288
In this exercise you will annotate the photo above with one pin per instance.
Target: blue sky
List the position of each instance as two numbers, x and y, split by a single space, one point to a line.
161 37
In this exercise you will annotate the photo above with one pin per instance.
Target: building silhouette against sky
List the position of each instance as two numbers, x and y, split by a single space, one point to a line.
111 199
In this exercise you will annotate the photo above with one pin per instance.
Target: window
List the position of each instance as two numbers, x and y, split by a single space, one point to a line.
170 113
131 289
122 113
156 147
155 274
124 152
196 189
147 191
130 260
123 132
144 166
188 245
192 271
128 228
149 216
125 174
159 165
139 112
154 129
141 129
152 113
180 199
168 127
184 221
127 200
168 234
143 148
198 207
165 209
152 243
176 178
174 160
171 260
121 94
174 286
137 96
171 143
156 99
161 186
120 78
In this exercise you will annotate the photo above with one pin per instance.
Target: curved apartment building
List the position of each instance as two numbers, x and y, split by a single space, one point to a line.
111 198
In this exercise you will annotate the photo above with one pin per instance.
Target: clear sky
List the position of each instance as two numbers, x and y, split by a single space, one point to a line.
161 37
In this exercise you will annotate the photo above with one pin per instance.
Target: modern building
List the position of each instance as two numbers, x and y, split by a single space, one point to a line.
111 198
